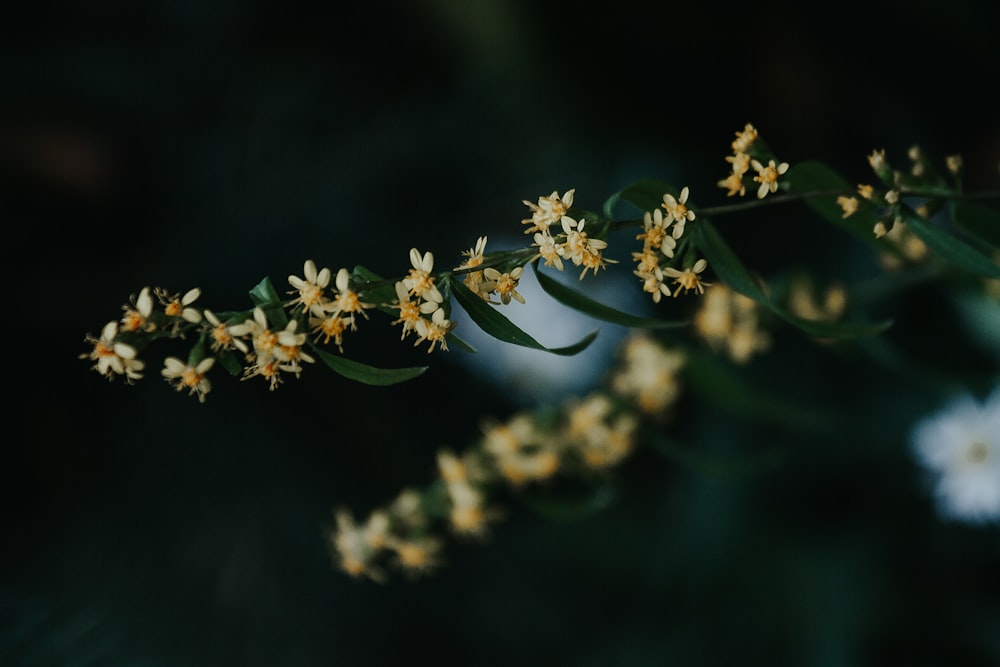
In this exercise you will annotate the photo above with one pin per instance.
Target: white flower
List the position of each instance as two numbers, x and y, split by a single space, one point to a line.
310 288
960 447
184 376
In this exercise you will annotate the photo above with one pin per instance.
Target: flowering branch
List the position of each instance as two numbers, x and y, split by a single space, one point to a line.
912 219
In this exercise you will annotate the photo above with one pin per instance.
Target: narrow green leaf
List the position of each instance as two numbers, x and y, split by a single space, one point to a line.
725 264
728 267
452 339
949 247
231 362
501 328
571 504
359 372
266 297
980 221
811 176
646 195
587 306
716 465
717 381
609 205
821 329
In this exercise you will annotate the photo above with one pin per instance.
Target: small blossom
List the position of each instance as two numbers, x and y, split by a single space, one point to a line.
729 321
954 164
434 330
184 376
960 449
224 336
474 257
744 139
113 358
419 282
677 211
892 197
880 229
353 548
647 261
877 160
601 438
549 250
504 284
688 279
179 307
649 374
767 176
522 452
881 166
655 234
866 191
310 288
652 283
347 300
848 204
579 248
409 310
548 211
274 352
740 162
733 184
331 326
136 317
416 556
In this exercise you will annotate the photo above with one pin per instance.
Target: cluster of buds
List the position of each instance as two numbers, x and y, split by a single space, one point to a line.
888 204
594 433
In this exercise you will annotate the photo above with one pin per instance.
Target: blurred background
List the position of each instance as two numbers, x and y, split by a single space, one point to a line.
209 144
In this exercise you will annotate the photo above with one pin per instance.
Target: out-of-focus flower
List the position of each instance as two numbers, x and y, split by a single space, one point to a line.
960 448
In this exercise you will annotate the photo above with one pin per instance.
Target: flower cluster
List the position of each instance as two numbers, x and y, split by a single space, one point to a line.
591 434
661 242
533 451
744 157
572 243
890 207
730 322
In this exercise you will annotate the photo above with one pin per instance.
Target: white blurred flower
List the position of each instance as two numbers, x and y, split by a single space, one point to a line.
960 447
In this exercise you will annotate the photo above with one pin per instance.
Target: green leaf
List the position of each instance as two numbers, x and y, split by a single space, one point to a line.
266 297
717 381
810 176
719 466
587 306
980 221
567 504
231 362
501 328
725 264
452 339
646 195
374 289
359 372
728 267
949 247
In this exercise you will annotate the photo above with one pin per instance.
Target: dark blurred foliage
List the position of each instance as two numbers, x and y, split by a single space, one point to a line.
209 144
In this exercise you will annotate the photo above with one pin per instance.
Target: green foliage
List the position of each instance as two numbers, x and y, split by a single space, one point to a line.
359 372
584 304
501 328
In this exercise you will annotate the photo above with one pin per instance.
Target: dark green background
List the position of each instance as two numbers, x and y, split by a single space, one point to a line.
212 143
